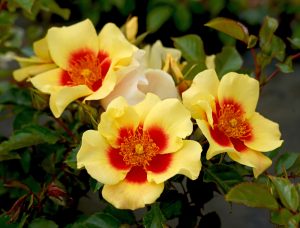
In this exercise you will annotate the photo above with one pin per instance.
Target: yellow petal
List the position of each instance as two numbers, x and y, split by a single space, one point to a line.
241 89
108 85
200 97
118 115
157 53
201 107
210 62
266 134
174 119
214 148
32 70
30 61
112 41
41 49
126 195
93 155
186 161
144 107
46 81
207 82
64 41
251 158
61 97
131 28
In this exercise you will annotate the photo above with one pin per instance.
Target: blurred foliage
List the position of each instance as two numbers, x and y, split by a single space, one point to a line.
39 183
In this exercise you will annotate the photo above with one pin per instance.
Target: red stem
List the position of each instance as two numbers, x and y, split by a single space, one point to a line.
257 67
296 56
68 131
277 70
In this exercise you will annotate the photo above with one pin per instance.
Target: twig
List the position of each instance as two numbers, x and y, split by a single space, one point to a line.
295 56
67 130
270 77
277 70
257 67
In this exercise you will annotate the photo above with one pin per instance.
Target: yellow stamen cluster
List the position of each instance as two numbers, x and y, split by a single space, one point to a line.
232 122
138 148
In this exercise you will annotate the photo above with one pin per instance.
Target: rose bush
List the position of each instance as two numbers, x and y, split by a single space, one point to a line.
155 130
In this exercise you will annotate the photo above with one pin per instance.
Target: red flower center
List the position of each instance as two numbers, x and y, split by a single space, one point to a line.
138 148
140 151
86 68
230 125
231 121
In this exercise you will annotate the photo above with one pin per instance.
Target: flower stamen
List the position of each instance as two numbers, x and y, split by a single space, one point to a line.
232 122
86 68
138 149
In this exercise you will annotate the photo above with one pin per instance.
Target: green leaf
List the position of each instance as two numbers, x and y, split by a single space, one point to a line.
191 70
157 17
95 185
287 192
295 168
172 204
277 48
252 195
192 49
267 30
272 154
16 96
295 42
232 28
298 190
252 41
285 161
228 60
41 222
294 221
32 184
215 6
281 217
4 221
124 6
182 17
25 115
25 4
6 19
287 66
125 216
101 220
28 136
224 176
4 156
25 161
154 218
52 6
71 159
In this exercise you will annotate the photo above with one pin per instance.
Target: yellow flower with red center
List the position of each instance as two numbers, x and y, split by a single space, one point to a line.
137 148
225 113
87 63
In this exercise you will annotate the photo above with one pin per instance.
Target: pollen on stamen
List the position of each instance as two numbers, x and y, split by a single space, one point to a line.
231 121
138 148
